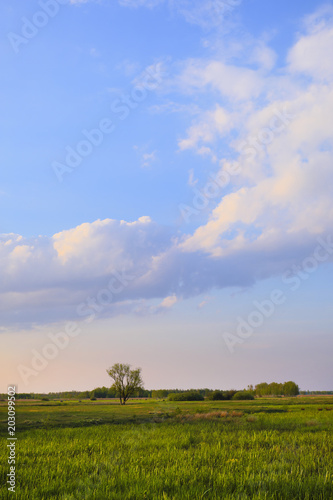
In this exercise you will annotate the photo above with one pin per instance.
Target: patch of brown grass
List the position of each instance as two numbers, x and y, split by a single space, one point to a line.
236 413
213 415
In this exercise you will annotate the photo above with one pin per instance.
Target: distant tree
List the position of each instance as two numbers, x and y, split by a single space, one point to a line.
126 381
275 389
112 393
160 394
216 396
229 394
186 396
290 389
99 392
142 393
262 389
84 395
23 395
242 395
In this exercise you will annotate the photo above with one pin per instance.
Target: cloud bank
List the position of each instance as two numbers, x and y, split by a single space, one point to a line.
276 126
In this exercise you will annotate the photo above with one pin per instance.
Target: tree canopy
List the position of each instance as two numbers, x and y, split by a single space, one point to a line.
274 389
126 381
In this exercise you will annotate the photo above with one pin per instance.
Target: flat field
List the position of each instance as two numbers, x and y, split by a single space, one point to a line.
157 450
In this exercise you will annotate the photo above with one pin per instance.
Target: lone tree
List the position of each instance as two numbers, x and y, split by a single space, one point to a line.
126 381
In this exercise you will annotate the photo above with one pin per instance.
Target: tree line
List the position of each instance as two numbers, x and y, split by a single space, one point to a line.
128 383
263 389
276 389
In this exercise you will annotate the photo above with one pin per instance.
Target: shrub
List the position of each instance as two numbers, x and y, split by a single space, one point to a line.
230 394
217 396
242 395
45 399
186 396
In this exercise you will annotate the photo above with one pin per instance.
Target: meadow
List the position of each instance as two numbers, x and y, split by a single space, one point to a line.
274 448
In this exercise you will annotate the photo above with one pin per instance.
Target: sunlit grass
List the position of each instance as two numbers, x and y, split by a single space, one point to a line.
263 449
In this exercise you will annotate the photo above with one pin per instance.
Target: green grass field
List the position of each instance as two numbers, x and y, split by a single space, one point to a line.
262 449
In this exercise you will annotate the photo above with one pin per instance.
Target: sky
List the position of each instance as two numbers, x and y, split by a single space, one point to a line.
166 192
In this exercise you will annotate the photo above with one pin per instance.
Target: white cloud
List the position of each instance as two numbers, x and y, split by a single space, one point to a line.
319 19
309 55
74 263
230 81
148 159
169 301
109 267
284 187
263 55
214 123
204 303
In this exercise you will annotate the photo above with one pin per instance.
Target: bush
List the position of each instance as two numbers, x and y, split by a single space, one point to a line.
242 395
93 398
23 395
45 399
186 396
216 396
229 394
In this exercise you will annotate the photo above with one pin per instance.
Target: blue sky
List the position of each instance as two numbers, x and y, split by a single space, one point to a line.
202 137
